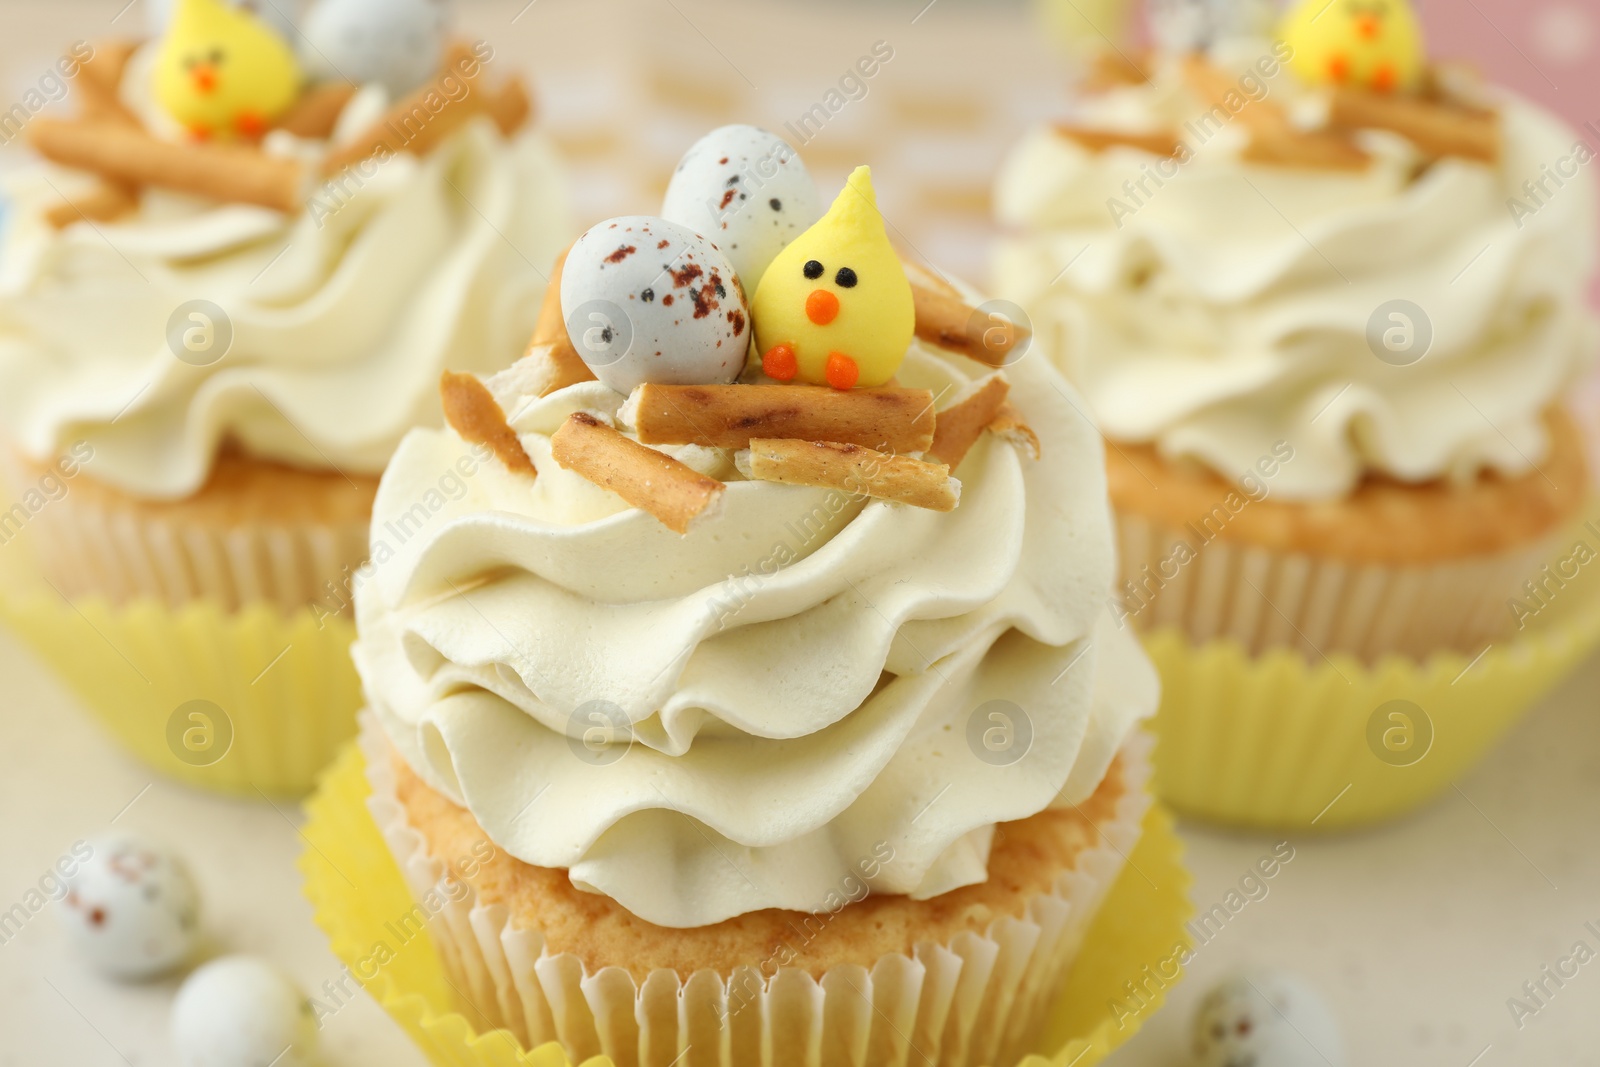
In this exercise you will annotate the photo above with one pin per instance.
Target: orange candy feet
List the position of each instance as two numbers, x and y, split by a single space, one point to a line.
779 364
842 371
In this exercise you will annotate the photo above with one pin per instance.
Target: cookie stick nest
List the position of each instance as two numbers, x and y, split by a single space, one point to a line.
1438 128
412 125
551 362
472 411
1273 138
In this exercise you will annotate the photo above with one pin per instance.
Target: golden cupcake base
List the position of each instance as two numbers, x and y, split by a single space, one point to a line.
357 892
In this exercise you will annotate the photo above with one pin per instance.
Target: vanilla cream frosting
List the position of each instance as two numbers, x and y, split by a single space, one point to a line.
806 690
1218 307
342 316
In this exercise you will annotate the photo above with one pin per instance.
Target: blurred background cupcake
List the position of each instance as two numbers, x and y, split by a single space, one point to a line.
1325 297
228 288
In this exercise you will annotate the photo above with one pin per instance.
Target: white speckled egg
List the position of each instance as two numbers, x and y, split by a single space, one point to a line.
396 43
241 1012
132 909
1268 1019
647 300
748 191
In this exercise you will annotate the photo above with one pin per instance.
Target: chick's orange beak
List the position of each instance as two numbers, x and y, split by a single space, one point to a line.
205 78
1370 27
822 307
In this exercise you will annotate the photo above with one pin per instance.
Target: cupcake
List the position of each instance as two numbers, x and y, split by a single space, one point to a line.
764 702
226 292
1324 300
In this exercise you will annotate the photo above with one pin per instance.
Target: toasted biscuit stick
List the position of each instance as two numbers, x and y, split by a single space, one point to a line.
729 416
949 322
1163 143
854 469
1438 129
317 112
551 345
961 424
471 410
510 106
420 121
647 479
1010 426
100 81
106 202
226 173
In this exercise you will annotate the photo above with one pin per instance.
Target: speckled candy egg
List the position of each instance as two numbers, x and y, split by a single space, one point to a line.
747 190
132 909
647 300
396 43
1265 1019
241 1012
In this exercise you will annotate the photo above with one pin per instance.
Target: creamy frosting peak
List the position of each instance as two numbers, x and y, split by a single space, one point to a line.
806 682
322 334
1217 307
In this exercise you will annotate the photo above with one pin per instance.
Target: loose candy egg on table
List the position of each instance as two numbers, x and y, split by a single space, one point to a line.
239 1011
1268 1019
132 909
396 43
647 300
749 191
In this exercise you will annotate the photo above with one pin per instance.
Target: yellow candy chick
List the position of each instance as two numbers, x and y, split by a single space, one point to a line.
835 307
1370 44
222 73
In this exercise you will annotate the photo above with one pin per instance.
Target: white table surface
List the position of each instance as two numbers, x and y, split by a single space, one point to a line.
1418 933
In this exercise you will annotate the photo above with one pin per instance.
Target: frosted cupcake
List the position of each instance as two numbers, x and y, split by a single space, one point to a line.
750 705
1327 337
1325 334
230 290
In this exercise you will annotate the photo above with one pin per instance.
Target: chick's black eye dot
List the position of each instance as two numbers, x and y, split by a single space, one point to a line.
846 278
776 204
813 269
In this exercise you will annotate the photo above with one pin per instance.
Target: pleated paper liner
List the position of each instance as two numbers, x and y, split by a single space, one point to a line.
1284 741
245 702
360 897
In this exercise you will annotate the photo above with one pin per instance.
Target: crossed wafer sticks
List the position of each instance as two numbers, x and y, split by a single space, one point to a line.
856 441
1437 124
110 141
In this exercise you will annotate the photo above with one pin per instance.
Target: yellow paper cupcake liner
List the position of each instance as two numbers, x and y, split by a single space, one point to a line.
357 891
249 702
1286 742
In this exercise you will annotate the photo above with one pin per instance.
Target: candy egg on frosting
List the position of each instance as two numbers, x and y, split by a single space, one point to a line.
396 43
647 300
749 191
241 1012
1268 1019
132 909
835 308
